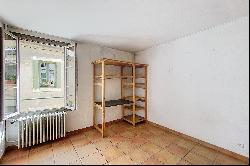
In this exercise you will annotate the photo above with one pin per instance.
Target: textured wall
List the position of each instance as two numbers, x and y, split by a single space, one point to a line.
86 53
199 85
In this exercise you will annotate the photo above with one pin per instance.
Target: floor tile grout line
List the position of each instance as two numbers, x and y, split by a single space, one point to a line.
194 153
97 151
76 151
154 158
188 153
153 153
53 154
116 157
203 155
176 154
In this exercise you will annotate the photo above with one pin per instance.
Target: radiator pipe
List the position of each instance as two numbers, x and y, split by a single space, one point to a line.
53 127
59 125
30 125
18 136
26 131
56 125
64 122
47 116
22 134
41 132
37 130
50 126
33 120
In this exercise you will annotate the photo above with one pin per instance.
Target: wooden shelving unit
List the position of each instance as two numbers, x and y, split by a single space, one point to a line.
130 104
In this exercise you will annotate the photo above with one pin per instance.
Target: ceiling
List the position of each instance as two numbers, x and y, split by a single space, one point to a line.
129 25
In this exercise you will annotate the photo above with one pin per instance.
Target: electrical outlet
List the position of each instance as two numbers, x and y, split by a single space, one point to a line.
241 145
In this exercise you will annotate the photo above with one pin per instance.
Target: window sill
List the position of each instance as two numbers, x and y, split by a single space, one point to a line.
47 90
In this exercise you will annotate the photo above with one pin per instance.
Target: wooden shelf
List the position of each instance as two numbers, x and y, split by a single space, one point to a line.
129 118
140 85
128 102
113 77
140 65
111 103
118 77
137 98
137 108
128 84
140 76
118 63
113 62
137 85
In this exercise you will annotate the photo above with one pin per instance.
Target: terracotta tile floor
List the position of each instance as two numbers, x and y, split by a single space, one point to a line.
126 145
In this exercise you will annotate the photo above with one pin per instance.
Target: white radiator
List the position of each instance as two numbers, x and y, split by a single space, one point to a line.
37 129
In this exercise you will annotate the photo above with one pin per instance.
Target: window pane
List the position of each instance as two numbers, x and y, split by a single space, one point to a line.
10 83
70 78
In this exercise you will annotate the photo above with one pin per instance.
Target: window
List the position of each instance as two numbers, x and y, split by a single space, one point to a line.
10 75
37 76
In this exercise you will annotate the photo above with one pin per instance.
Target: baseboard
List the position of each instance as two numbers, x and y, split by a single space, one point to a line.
74 132
214 147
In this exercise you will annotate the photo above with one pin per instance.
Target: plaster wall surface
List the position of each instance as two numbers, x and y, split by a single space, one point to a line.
199 85
87 53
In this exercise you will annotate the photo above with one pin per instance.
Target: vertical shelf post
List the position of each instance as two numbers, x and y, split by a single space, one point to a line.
122 93
103 98
134 99
146 92
94 111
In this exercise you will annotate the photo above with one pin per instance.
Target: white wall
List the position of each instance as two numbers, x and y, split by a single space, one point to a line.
199 85
87 53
